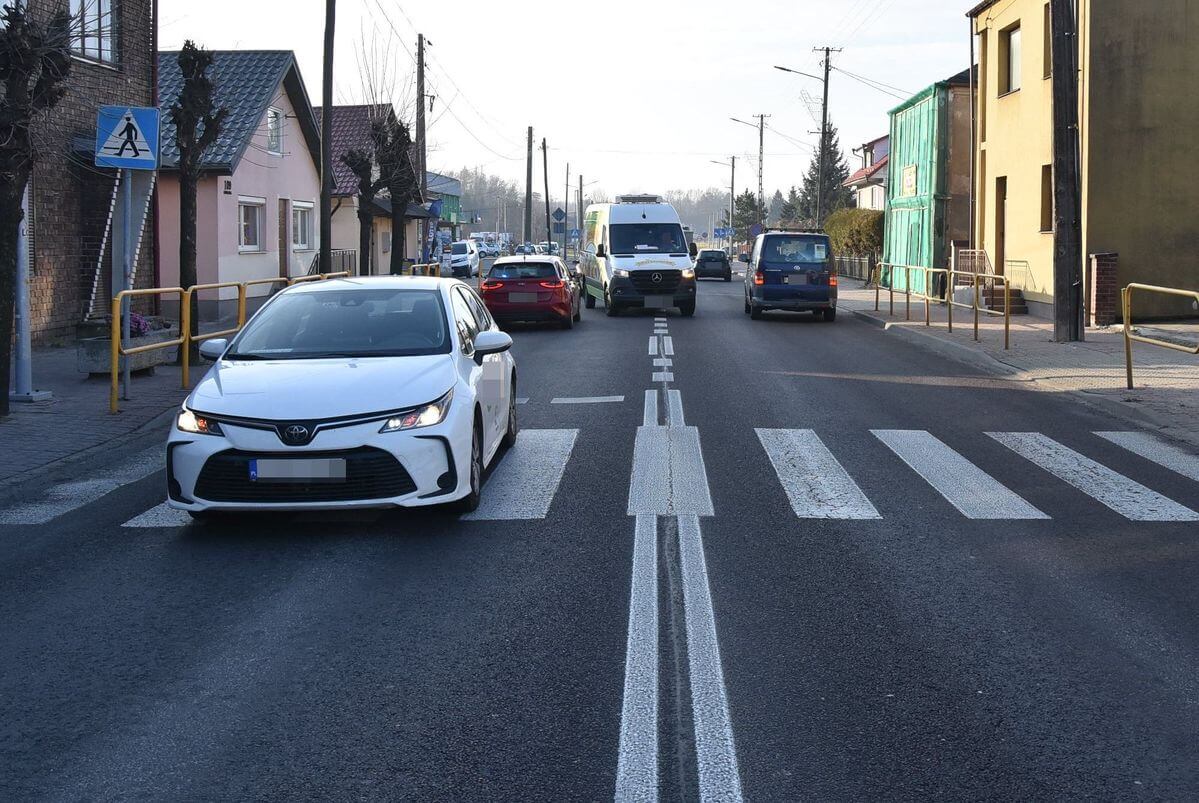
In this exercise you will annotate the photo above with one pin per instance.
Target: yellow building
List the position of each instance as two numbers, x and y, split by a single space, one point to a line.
1138 124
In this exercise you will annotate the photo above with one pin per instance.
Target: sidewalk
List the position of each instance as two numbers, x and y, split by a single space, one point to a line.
76 425
1167 382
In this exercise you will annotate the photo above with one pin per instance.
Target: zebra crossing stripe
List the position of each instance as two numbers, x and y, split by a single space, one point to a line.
524 483
1157 450
964 485
67 496
816 484
1127 497
161 515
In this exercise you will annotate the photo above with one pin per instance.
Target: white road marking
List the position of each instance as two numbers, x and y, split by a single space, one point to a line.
674 403
663 362
524 484
817 486
637 766
653 346
668 346
662 376
1157 450
668 473
65 497
715 752
964 485
162 515
1127 497
650 411
520 400
587 399
659 319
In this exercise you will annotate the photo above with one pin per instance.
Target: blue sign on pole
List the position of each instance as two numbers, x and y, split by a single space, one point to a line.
127 137
575 234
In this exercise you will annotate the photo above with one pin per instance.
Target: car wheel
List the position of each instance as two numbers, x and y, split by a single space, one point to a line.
747 309
687 309
470 502
513 427
588 300
609 307
579 310
755 312
568 322
728 277
830 315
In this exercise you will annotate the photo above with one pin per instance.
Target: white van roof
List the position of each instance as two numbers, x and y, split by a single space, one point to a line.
624 211
639 199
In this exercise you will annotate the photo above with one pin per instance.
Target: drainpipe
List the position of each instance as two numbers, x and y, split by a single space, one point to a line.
973 134
154 102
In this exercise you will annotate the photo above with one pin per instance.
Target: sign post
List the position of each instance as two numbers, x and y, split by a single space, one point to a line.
126 138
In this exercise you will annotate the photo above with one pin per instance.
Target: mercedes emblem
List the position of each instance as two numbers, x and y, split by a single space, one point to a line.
657 278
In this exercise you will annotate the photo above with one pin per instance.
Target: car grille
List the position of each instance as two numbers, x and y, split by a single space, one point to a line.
643 280
370 474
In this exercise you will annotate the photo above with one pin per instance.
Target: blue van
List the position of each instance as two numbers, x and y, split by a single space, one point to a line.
791 271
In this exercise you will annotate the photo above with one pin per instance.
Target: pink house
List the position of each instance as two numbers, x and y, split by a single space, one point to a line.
258 198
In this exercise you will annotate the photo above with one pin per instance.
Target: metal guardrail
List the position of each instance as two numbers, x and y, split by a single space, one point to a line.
977 280
1126 295
185 338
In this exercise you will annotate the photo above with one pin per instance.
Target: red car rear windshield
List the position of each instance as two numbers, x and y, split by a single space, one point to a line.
524 270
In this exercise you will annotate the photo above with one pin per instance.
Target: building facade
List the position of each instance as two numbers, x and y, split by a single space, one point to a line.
1136 70
869 182
70 198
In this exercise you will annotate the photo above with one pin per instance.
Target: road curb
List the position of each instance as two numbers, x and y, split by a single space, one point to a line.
977 359
95 457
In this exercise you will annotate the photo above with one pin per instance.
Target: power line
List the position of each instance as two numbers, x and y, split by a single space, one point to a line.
906 94
868 83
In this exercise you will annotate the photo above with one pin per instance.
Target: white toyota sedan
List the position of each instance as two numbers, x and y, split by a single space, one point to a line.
347 393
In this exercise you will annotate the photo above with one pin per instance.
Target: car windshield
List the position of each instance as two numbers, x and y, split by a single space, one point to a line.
796 250
524 270
458 248
714 255
637 238
346 323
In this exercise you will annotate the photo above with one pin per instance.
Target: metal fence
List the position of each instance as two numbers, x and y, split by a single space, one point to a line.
1126 296
860 268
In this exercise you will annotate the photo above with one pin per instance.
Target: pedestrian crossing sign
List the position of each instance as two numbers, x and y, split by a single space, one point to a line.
127 137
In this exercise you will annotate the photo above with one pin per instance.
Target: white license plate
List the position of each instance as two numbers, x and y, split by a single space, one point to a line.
659 301
329 469
522 298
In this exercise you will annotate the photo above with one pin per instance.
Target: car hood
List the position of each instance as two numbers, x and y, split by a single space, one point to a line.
287 390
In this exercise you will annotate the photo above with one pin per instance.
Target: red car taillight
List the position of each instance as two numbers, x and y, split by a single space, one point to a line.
759 277
491 284
557 284
832 280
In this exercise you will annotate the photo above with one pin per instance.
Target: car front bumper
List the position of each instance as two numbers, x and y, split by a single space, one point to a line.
627 295
436 459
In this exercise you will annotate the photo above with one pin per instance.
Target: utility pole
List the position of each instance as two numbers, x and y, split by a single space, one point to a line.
326 222
423 176
732 195
529 191
579 208
828 51
1067 237
566 209
761 157
545 169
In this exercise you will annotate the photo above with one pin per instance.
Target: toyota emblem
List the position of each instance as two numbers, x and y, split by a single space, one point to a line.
657 278
296 435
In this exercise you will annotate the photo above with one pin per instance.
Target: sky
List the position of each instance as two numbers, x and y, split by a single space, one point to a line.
635 95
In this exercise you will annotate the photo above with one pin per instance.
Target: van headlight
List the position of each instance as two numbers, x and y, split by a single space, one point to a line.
688 273
187 421
620 273
426 416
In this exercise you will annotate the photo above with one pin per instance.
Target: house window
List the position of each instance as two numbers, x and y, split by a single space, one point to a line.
1009 59
1047 198
274 131
1048 43
301 226
92 29
249 228
387 242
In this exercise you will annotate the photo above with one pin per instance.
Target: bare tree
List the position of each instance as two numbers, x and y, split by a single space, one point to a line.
362 165
197 126
393 150
35 57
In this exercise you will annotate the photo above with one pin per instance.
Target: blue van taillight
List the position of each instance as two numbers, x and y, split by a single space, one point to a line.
759 278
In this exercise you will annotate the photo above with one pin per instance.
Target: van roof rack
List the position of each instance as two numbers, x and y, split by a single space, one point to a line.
793 230
638 199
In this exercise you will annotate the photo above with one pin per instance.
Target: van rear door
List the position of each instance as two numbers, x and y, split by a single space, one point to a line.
796 267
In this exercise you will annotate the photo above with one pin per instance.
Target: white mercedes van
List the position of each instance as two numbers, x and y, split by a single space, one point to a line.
635 255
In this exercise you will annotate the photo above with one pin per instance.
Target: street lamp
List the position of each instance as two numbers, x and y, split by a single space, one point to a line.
823 132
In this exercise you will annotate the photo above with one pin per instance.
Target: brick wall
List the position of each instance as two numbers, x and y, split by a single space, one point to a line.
70 196
1103 290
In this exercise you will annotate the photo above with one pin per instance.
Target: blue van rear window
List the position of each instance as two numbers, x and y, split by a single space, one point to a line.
798 249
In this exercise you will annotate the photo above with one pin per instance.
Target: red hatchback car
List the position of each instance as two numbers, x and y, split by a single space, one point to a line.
531 288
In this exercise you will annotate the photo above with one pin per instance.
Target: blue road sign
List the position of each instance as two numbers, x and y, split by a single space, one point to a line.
559 215
575 234
755 230
127 137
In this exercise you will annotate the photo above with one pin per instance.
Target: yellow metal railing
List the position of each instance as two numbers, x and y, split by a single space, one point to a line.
117 344
976 280
1126 296
186 338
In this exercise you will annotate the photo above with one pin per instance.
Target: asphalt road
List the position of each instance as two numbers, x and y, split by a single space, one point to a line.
798 568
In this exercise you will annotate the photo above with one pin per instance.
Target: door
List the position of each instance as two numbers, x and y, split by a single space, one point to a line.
1000 224
487 394
796 267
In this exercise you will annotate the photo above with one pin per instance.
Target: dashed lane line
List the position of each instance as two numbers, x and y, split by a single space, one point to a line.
587 399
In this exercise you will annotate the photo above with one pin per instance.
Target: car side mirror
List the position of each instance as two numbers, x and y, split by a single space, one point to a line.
743 258
491 342
600 252
213 349
693 250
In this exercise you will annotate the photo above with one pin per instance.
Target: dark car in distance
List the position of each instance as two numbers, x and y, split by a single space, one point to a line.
713 263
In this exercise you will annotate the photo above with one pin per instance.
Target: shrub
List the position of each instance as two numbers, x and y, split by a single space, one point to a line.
855 232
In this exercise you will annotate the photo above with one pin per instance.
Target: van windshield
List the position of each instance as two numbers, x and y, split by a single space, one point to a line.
796 250
655 238
458 248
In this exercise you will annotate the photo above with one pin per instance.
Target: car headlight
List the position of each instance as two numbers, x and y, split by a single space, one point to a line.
688 273
187 421
426 416
620 273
